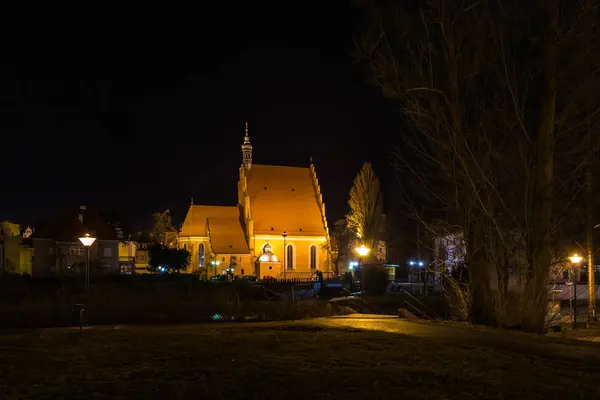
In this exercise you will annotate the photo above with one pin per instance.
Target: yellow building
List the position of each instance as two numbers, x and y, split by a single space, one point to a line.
15 257
133 258
277 206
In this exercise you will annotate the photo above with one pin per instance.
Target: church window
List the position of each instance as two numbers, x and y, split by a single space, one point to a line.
290 257
313 256
201 255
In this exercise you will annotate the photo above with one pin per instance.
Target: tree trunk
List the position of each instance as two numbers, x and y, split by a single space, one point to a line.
589 216
479 279
540 256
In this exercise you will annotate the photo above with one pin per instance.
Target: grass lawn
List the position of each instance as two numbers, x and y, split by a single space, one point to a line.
337 358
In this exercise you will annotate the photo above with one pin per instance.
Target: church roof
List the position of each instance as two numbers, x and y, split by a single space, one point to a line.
284 199
227 236
223 222
195 220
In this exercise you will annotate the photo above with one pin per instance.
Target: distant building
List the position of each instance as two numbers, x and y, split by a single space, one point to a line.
14 259
133 257
58 252
277 229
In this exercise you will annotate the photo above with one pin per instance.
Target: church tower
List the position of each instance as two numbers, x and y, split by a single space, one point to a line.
247 151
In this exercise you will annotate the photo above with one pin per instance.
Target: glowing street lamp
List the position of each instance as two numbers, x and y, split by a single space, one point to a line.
215 264
362 251
575 260
87 241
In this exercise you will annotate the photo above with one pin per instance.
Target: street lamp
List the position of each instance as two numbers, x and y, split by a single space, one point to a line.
575 260
362 251
284 234
215 264
87 241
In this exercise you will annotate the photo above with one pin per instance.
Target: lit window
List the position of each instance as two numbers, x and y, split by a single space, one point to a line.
126 269
290 257
201 255
76 251
313 256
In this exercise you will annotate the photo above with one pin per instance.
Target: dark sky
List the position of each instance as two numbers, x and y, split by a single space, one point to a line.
137 109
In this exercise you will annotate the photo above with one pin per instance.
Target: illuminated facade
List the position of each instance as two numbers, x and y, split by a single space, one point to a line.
277 206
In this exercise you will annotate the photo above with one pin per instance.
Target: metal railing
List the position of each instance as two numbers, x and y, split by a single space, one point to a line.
433 315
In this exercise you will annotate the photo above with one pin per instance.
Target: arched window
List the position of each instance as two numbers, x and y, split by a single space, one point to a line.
185 246
201 255
313 256
290 257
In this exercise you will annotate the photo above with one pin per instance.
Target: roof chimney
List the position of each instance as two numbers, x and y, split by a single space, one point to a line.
81 213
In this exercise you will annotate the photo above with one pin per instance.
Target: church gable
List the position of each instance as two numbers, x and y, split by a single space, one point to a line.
284 199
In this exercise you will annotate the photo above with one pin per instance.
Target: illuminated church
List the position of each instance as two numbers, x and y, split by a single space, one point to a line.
277 229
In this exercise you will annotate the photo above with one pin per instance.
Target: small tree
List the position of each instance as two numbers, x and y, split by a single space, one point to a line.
172 259
162 228
366 206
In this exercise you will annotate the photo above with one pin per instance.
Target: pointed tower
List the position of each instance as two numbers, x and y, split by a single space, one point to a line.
247 151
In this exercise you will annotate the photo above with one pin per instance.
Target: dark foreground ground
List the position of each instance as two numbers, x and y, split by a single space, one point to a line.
335 358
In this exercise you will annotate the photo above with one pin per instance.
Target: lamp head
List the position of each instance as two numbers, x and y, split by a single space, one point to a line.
87 240
362 250
575 258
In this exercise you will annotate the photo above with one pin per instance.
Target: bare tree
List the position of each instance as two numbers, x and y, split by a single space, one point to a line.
482 87
366 206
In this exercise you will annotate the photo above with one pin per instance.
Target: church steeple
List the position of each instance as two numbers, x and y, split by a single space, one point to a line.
247 150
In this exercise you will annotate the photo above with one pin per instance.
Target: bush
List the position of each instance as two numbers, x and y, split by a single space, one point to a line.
172 259
376 280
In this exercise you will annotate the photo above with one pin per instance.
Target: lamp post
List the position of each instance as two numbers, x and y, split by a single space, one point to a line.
284 234
87 241
575 260
215 264
362 252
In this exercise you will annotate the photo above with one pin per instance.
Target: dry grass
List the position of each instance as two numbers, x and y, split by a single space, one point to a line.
336 358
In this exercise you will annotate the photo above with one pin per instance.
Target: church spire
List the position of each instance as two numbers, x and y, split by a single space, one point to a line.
247 150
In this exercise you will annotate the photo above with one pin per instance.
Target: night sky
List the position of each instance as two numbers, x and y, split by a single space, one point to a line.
136 110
